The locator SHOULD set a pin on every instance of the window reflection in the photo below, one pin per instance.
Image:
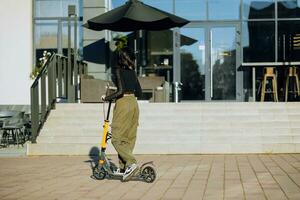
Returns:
(258, 9)
(117, 3)
(289, 9)
(222, 10)
(46, 31)
(191, 9)
(258, 41)
(55, 8)
(193, 63)
(45, 37)
(159, 47)
(223, 63)
(288, 40)
(166, 5)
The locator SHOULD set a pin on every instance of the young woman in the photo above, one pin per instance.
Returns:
(126, 112)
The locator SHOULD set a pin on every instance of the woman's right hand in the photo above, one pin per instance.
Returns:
(103, 97)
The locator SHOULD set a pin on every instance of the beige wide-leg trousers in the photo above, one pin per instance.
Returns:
(124, 128)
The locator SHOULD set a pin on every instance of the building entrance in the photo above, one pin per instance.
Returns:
(222, 63)
(209, 66)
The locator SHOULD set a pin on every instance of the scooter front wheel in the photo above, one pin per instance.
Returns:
(149, 174)
(99, 173)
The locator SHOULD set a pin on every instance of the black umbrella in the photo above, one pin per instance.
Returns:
(163, 39)
(135, 15)
(92, 51)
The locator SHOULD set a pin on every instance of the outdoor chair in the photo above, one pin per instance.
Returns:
(92, 89)
(13, 130)
(4, 115)
(27, 127)
(156, 86)
(1, 132)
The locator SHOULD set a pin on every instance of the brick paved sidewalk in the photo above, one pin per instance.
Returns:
(187, 177)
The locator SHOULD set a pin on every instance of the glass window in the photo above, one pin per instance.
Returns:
(192, 53)
(159, 47)
(45, 37)
(55, 8)
(258, 9)
(223, 63)
(288, 41)
(117, 3)
(166, 5)
(46, 33)
(191, 9)
(223, 10)
(289, 8)
(258, 41)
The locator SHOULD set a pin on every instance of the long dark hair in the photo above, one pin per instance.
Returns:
(126, 58)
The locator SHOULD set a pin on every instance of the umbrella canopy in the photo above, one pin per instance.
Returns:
(164, 39)
(96, 52)
(135, 15)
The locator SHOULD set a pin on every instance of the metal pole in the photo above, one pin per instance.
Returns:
(70, 90)
(50, 86)
(59, 37)
(253, 84)
(69, 61)
(75, 59)
(54, 84)
(65, 69)
(43, 97)
(34, 112)
(59, 68)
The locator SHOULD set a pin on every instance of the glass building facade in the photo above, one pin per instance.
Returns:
(206, 54)
(51, 26)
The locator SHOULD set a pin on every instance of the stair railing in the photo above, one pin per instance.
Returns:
(57, 81)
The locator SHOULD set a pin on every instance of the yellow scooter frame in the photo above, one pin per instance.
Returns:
(105, 168)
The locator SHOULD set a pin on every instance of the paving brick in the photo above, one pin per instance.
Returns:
(288, 186)
(195, 190)
(195, 177)
(233, 189)
(283, 164)
(158, 190)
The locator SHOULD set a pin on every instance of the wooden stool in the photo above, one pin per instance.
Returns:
(293, 73)
(269, 74)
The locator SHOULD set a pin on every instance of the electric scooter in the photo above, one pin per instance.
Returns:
(105, 168)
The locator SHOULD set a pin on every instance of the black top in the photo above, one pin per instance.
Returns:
(126, 82)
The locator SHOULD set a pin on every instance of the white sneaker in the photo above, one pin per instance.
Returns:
(120, 171)
(130, 171)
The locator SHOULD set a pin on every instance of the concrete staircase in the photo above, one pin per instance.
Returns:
(184, 128)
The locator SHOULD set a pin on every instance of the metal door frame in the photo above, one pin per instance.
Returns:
(207, 26)
(239, 75)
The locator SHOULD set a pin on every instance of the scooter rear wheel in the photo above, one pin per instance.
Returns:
(148, 174)
(99, 174)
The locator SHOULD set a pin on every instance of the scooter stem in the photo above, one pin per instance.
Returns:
(105, 129)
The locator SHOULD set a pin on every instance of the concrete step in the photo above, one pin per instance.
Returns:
(230, 127)
(164, 148)
(180, 139)
(238, 116)
(152, 130)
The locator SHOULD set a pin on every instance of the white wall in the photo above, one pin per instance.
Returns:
(15, 51)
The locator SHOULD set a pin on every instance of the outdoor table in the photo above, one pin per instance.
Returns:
(7, 113)
(4, 116)
(254, 65)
